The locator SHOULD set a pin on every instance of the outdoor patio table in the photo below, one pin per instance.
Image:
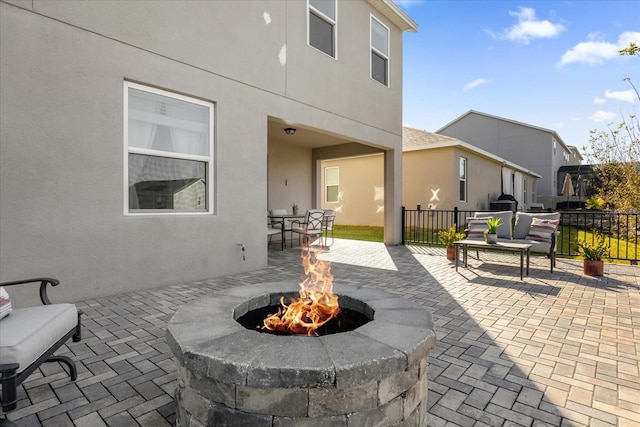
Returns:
(500, 246)
(284, 217)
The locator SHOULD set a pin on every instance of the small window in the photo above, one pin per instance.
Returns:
(322, 25)
(331, 184)
(463, 179)
(169, 152)
(379, 52)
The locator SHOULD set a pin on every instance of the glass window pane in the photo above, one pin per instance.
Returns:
(463, 168)
(328, 7)
(332, 176)
(159, 183)
(332, 193)
(320, 34)
(463, 193)
(158, 122)
(379, 37)
(378, 68)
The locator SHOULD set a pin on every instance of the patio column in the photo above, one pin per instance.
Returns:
(392, 196)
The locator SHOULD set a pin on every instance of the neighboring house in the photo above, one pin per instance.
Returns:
(141, 143)
(575, 158)
(537, 149)
(438, 172)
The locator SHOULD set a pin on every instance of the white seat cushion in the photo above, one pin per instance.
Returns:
(537, 245)
(28, 332)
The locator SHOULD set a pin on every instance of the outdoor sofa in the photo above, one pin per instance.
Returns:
(539, 229)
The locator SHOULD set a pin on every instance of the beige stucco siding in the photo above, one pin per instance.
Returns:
(428, 177)
(361, 190)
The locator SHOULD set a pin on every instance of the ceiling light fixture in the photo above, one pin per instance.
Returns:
(289, 131)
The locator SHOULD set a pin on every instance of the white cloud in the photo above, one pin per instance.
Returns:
(475, 83)
(602, 116)
(599, 101)
(595, 51)
(621, 95)
(529, 27)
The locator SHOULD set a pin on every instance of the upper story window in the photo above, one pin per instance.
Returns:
(331, 184)
(379, 52)
(169, 152)
(463, 179)
(322, 25)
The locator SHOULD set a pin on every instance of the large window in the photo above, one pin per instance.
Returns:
(169, 152)
(379, 52)
(463, 179)
(331, 184)
(322, 25)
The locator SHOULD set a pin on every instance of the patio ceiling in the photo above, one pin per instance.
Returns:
(304, 136)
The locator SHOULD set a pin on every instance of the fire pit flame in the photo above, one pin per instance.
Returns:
(317, 303)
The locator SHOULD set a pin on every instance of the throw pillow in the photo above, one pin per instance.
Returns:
(477, 227)
(5, 303)
(542, 229)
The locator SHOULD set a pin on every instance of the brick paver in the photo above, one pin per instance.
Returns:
(557, 349)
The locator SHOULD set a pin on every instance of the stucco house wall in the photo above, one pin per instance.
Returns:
(361, 190)
(537, 149)
(63, 66)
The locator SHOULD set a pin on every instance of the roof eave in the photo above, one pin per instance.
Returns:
(396, 15)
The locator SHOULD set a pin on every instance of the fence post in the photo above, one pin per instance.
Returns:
(403, 225)
(455, 217)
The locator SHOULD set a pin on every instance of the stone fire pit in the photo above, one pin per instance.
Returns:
(229, 375)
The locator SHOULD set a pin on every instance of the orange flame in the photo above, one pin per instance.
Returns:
(315, 307)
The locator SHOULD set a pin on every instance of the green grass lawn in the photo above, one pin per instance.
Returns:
(619, 248)
(359, 232)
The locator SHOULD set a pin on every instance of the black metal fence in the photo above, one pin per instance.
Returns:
(621, 230)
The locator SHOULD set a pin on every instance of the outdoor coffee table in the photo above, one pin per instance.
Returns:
(500, 246)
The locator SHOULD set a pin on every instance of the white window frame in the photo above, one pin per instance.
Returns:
(378, 52)
(209, 160)
(327, 19)
(462, 179)
(327, 185)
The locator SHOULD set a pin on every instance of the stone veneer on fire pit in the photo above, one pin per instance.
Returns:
(375, 375)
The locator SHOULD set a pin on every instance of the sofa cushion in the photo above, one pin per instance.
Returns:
(29, 332)
(5, 303)
(476, 228)
(504, 229)
(523, 222)
(542, 229)
(537, 246)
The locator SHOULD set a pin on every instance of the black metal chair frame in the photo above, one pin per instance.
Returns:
(10, 378)
(314, 219)
(327, 225)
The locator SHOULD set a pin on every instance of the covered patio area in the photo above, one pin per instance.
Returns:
(553, 349)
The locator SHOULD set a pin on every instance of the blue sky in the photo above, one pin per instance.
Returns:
(552, 64)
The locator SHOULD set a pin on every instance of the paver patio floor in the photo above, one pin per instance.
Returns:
(558, 349)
